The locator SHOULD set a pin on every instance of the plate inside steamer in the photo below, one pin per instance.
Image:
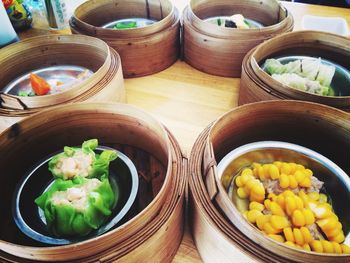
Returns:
(215, 20)
(336, 181)
(30, 218)
(341, 79)
(129, 23)
(60, 78)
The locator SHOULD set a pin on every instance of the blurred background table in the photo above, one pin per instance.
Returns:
(186, 100)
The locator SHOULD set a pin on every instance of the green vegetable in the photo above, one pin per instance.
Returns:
(23, 93)
(125, 25)
(81, 161)
(66, 218)
(218, 21)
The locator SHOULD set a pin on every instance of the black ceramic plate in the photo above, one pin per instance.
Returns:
(30, 219)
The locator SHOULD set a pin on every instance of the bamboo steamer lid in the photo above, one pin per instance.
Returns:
(318, 127)
(219, 50)
(156, 228)
(106, 83)
(257, 85)
(139, 48)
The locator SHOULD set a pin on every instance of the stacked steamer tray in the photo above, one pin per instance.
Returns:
(151, 46)
(220, 50)
(221, 233)
(258, 85)
(154, 227)
(52, 55)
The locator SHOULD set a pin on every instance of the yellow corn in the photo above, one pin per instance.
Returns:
(288, 234)
(309, 216)
(293, 168)
(290, 205)
(290, 243)
(306, 182)
(269, 229)
(280, 201)
(274, 172)
(339, 238)
(299, 176)
(286, 168)
(306, 247)
(275, 208)
(314, 196)
(241, 193)
(261, 173)
(308, 172)
(279, 222)
(327, 224)
(336, 247)
(245, 178)
(300, 167)
(262, 220)
(256, 206)
(278, 164)
(306, 234)
(327, 246)
(252, 215)
(267, 204)
(323, 198)
(247, 172)
(304, 197)
(284, 181)
(238, 181)
(298, 236)
(299, 202)
(316, 246)
(279, 238)
(292, 182)
(345, 249)
(288, 193)
(298, 218)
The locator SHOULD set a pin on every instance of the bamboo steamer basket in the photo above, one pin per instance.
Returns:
(257, 85)
(317, 127)
(139, 48)
(154, 231)
(106, 84)
(219, 50)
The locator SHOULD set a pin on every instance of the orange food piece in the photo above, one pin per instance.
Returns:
(39, 85)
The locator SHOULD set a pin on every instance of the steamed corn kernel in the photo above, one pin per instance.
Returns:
(323, 198)
(306, 182)
(298, 218)
(306, 234)
(290, 243)
(256, 206)
(292, 182)
(261, 221)
(316, 246)
(288, 234)
(306, 247)
(345, 249)
(274, 172)
(275, 209)
(279, 238)
(279, 222)
(286, 168)
(238, 181)
(299, 176)
(336, 247)
(284, 181)
(290, 205)
(327, 246)
(309, 216)
(252, 215)
(269, 229)
(241, 193)
(298, 236)
(314, 196)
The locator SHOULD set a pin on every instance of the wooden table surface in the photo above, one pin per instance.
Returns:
(187, 100)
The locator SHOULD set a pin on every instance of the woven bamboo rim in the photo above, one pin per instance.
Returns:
(91, 15)
(257, 85)
(139, 47)
(291, 121)
(106, 84)
(220, 51)
(161, 220)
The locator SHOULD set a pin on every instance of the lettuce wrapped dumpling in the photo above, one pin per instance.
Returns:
(78, 206)
(82, 161)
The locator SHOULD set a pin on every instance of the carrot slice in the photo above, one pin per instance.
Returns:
(39, 85)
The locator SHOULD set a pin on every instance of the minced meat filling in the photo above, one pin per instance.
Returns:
(76, 196)
(79, 164)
